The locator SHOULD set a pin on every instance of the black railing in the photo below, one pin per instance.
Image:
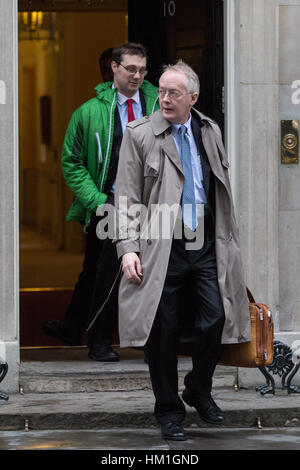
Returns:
(284, 367)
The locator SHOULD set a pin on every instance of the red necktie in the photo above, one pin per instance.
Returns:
(130, 111)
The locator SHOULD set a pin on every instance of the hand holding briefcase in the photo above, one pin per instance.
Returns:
(259, 351)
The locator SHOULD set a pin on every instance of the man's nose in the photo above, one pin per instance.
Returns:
(166, 97)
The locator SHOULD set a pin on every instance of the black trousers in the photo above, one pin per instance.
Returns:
(198, 269)
(101, 333)
(100, 267)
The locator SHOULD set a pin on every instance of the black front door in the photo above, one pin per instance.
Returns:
(190, 30)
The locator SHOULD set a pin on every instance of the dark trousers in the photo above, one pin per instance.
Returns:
(198, 269)
(78, 310)
(100, 268)
(101, 333)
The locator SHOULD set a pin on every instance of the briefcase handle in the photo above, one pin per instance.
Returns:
(250, 296)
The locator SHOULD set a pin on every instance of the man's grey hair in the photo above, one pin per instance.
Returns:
(193, 83)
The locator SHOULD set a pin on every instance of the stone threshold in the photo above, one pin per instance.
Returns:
(243, 408)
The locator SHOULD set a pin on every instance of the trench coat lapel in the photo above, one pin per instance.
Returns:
(161, 126)
(203, 158)
(170, 150)
(216, 160)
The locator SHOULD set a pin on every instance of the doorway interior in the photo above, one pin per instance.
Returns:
(58, 70)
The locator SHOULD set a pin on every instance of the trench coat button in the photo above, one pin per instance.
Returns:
(149, 242)
(230, 237)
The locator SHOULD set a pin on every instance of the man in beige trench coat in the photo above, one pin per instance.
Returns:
(176, 159)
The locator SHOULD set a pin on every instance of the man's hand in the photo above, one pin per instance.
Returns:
(132, 267)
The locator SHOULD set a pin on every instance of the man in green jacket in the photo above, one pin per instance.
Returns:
(89, 163)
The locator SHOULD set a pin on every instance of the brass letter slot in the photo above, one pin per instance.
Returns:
(289, 141)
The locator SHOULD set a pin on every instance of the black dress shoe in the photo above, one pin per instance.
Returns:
(104, 354)
(55, 328)
(208, 410)
(173, 431)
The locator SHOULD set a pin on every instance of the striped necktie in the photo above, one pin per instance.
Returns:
(188, 195)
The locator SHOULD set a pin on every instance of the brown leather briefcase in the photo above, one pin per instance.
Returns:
(259, 351)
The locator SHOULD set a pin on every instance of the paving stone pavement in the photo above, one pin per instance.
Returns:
(150, 440)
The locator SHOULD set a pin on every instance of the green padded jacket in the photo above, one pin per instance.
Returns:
(87, 148)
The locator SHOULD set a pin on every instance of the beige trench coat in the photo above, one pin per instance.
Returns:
(150, 172)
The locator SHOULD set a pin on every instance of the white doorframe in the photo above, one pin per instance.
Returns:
(231, 92)
(9, 207)
(16, 166)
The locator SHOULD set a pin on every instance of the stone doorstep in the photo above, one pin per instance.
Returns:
(103, 410)
(78, 383)
(89, 395)
(54, 377)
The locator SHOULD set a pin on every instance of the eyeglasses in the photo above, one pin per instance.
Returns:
(133, 70)
(172, 94)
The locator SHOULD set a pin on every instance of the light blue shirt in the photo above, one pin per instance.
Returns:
(123, 108)
(200, 196)
(123, 112)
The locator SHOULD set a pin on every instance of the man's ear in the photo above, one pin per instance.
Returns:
(195, 97)
(113, 65)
